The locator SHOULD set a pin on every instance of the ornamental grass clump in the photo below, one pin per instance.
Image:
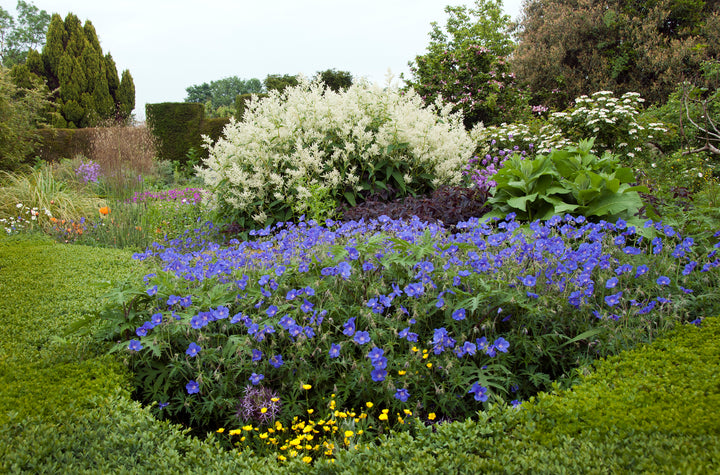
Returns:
(406, 315)
(353, 143)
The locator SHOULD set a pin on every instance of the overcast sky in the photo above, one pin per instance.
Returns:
(169, 45)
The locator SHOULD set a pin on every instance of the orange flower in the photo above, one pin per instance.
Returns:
(53, 220)
(104, 210)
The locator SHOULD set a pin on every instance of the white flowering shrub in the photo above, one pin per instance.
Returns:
(356, 142)
(613, 122)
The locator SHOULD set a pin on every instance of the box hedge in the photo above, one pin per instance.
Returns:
(179, 126)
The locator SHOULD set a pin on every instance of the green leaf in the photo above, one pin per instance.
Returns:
(350, 197)
(520, 202)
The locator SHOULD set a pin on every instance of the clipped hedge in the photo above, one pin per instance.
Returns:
(176, 126)
(179, 126)
(56, 144)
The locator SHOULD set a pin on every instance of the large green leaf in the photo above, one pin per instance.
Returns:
(520, 202)
(616, 203)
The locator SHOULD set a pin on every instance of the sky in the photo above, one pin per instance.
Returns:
(169, 45)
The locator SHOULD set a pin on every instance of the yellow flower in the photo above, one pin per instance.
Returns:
(220, 430)
(263, 410)
(310, 411)
(383, 417)
(264, 435)
(415, 349)
(407, 412)
(402, 372)
(432, 416)
(282, 458)
(247, 427)
(307, 459)
(429, 365)
(306, 387)
(275, 399)
(235, 432)
(369, 404)
(349, 433)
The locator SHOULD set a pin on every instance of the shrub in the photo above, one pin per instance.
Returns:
(615, 123)
(177, 127)
(566, 181)
(20, 113)
(354, 143)
(467, 65)
(569, 49)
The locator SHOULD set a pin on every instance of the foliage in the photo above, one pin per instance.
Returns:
(448, 205)
(276, 82)
(422, 320)
(570, 430)
(570, 180)
(694, 111)
(38, 199)
(20, 114)
(335, 80)
(222, 92)
(16, 39)
(468, 68)
(355, 143)
(177, 127)
(568, 49)
(241, 102)
(85, 83)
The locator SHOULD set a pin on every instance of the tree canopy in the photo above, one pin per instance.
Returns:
(466, 64)
(18, 37)
(222, 92)
(568, 48)
(86, 88)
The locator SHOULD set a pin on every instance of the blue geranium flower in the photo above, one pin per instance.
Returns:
(192, 387)
(349, 327)
(613, 299)
(362, 337)
(334, 350)
(459, 314)
(276, 361)
(662, 280)
(135, 345)
(193, 349)
(256, 378)
(378, 375)
(479, 392)
(402, 394)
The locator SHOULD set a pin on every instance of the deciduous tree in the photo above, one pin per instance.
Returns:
(568, 48)
(466, 65)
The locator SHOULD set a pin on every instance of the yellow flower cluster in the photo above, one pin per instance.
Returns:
(310, 439)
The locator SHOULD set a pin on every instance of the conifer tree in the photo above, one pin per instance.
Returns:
(85, 83)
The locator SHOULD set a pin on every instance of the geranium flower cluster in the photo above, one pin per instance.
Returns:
(400, 313)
